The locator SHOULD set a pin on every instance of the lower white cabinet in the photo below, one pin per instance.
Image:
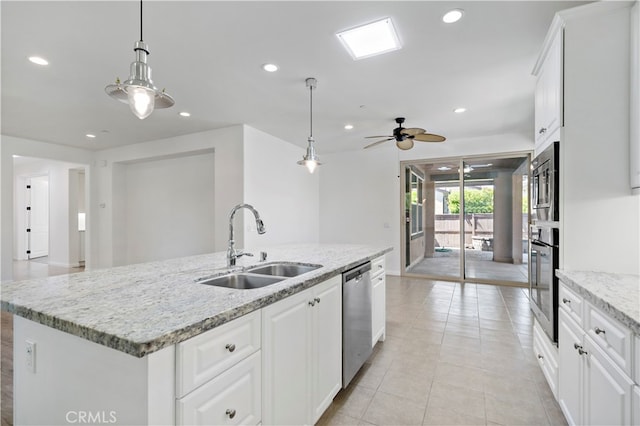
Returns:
(232, 398)
(635, 403)
(302, 354)
(547, 355)
(378, 300)
(593, 389)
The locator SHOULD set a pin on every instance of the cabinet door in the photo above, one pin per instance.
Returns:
(286, 332)
(607, 389)
(548, 94)
(635, 402)
(326, 362)
(569, 369)
(232, 398)
(378, 314)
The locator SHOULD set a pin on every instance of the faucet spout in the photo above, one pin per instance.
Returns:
(232, 253)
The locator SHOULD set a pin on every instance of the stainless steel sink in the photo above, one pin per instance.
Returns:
(283, 269)
(242, 281)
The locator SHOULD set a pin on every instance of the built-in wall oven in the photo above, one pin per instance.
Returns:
(544, 239)
(543, 294)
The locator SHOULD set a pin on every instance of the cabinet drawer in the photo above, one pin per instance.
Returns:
(612, 337)
(203, 357)
(232, 398)
(547, 356)
(377, 266)
(571, 302)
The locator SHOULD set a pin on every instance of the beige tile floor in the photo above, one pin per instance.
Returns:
(455, 354)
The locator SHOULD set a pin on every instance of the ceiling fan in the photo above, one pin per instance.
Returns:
(405, 137)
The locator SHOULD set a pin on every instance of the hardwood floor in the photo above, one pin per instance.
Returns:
(22, 270)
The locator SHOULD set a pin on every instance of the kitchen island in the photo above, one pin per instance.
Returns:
(111, 345)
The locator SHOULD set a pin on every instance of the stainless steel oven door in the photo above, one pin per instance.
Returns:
(542, 289)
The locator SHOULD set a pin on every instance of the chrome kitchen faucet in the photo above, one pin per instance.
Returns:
(232, 253)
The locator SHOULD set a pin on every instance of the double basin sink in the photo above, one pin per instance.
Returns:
(260, 276)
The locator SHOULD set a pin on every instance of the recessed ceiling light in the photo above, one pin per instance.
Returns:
(184, 114)
(348, 126)
(90, 136)
(370, 39)
(452, 16)
(459, 110)
(270, 67)
(38, 60)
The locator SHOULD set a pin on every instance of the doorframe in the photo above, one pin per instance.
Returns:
(460, 159)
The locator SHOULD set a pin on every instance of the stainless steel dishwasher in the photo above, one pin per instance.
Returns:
(356, 320)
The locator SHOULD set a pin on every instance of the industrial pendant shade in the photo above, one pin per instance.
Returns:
(138, 90)
(310, 160)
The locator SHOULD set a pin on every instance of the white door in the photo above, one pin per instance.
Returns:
(38, 217)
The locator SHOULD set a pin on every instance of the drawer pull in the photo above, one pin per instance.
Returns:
(565, 300)
(231, 413)
(580, 350)
(317, 299)
(598, 330)
(312, 302)
(542, 131)
(230, 347)
(540, 356)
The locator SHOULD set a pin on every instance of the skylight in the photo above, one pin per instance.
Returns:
(370, 39)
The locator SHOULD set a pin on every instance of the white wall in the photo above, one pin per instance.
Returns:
(169, 206)
(360, 190)
(284, 193)
(10, 146)
(600, 216)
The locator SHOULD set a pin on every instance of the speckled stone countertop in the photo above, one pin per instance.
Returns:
(142, 308)
(616, 294)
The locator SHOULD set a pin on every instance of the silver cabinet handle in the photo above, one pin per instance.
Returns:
(565, 300)
(542, 130)
(230, 347)
(540, 356)
(598, 330)
(231, 413)
(580, 350)
(380, 279)
(317, 299)
(312, 303)
(576, 345)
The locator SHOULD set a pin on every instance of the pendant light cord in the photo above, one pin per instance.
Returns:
(140, 20)
(311, 111)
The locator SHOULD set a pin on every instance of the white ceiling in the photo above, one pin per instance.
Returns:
(208, 56)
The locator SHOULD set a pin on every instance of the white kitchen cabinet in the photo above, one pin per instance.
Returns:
(548, 92)
(547, 355)
(635, 403)
(593, 389)
(302, 354)
(378, 300)
(218, 375)
(232, 398)
(634, 158)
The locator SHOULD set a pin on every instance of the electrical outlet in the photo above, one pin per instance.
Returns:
(31, 356)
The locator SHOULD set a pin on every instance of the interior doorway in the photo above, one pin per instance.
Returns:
(467, 219)
(37, 220)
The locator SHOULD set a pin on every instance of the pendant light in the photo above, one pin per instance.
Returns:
(310, 160)
(138, 90)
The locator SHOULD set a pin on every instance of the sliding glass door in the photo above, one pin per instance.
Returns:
(467, 219)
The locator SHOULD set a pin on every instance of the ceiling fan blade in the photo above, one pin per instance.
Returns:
(411, 131)
(405, 144)
(376, 143)
(383, 136)
(429, 137)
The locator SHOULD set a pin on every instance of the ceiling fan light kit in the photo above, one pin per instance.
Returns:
(310, 160)
(138, 90)
(405, 137)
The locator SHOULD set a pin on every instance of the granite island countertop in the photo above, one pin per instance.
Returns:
(616, 294)
(142, 308)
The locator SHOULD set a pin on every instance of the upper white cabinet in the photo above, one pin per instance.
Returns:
(302, 354)
(634, 171)
(548, 94)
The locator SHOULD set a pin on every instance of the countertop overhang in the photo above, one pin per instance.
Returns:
(142, 308)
